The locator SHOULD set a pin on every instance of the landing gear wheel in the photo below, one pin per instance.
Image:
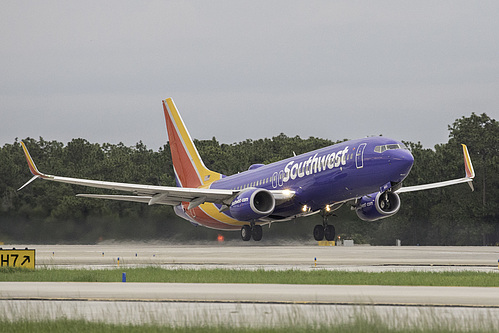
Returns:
(257, 233)
(329, 232)
(318, 232)
(246, 233)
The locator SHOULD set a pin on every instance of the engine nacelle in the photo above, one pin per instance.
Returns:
(252, 204)
(378, 206)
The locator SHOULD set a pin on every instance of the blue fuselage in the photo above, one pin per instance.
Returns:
(337, 173)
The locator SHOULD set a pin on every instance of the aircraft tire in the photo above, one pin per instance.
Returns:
(329, 232)
(318, 232)
(246, 233)
(257, 233)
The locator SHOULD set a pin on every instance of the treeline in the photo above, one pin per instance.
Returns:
(47, 212)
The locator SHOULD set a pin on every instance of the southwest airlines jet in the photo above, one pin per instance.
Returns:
(366, 174)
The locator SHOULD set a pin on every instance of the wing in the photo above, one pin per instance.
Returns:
(149, 194)
(470, 174)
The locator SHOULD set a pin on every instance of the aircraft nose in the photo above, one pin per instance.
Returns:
(402, 161)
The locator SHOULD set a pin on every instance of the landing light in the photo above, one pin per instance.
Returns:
(328, 209)
(304, 208)
(286, 193)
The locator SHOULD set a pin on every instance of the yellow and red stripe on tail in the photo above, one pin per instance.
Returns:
(189, 168)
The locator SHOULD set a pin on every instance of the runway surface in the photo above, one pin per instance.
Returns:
(257, 304)
(251, 256)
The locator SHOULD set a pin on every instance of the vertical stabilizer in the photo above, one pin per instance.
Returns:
(189, 168)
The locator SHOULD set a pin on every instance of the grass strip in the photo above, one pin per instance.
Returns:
(358, 325)
(324, 277)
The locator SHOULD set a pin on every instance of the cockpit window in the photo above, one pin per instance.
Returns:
(380, 149)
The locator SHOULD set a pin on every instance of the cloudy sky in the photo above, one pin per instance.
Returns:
(245, 69)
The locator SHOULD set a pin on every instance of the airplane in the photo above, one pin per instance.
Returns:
(366, 174)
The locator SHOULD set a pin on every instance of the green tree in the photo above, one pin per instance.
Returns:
(481, 134)
(48, 212)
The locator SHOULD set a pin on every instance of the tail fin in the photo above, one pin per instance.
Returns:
(187, 164)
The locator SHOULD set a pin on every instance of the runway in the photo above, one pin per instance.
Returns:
(251, 256)
(257, 305)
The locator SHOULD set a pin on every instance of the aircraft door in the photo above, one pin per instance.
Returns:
(281, 178)
(274, 180)
(359, 156)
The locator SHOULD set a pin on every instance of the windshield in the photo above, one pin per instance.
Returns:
(380, 149)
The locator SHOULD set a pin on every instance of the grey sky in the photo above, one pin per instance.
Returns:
(253, 69)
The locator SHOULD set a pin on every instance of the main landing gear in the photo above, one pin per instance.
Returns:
(251, 231)
(325, 230)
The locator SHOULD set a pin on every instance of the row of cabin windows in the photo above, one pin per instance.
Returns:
(253, 184)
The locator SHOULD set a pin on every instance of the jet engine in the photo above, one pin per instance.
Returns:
(378, 205)
(252, 204)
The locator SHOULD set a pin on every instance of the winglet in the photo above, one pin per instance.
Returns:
(31, 163)
(32, 167)
(468, 166)
(470, 173)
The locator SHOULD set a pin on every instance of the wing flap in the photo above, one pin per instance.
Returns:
(132, 198)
